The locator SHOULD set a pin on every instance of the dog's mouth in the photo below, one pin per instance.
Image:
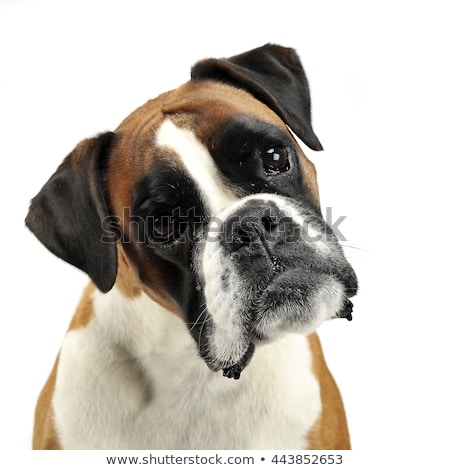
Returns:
(294, 300)
(234, 371)
(299, 300)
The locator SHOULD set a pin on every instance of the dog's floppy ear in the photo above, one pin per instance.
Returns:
(275, 76)
(66, 215)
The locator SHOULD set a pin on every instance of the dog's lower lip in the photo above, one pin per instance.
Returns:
(234, 371)
(346, 311)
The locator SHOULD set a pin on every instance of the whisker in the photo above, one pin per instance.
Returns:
(206, 320)
(198, 320)
(354, 247)
(201, 331)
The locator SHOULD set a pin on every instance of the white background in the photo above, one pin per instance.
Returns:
(379, 77)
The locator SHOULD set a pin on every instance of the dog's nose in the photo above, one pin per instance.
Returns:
(254, 224)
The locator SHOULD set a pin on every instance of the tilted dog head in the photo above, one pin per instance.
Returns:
(211, 201)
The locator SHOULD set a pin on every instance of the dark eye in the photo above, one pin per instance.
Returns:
(275, 160)
(165, 228)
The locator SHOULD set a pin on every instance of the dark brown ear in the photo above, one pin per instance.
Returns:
(275, 76)
(67, 214)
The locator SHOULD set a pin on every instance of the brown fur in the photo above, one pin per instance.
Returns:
(45, 436)
(330, 430)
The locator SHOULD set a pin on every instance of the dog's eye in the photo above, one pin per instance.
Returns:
(275, 160)
(165, 228)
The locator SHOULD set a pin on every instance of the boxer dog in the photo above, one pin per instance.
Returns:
(199, 224)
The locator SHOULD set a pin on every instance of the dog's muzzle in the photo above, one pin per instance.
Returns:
(268, 266)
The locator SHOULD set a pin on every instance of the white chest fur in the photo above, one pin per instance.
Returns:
(132, 378)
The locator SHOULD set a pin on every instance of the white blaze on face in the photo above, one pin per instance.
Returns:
(227, 343)
(198, 163)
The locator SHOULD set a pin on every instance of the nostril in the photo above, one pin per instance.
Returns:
(268, 222)
(254, 226)
(243, 237)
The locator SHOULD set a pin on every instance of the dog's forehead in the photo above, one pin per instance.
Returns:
(175, 127)
(207, 104)
(201, 107)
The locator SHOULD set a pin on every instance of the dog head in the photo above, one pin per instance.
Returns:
(211, 201)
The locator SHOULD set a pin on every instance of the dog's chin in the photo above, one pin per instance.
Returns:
(297, 301)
